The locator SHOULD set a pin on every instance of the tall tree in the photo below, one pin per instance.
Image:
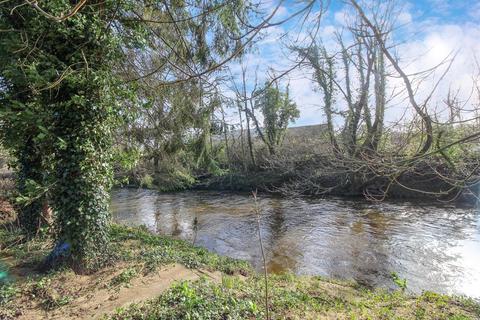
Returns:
(324, 73)
(278, 111)
(61, 79)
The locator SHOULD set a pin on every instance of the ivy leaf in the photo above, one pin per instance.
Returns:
(62, 143)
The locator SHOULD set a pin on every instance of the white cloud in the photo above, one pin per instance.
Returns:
(341, 17)
(423, 44)
(404, 17)
(431, 49)
(282, 12)
(269, 7)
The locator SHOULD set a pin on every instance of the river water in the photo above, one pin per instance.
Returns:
(435, 247)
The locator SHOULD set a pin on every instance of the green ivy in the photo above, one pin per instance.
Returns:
(59, 86)
(63, 95)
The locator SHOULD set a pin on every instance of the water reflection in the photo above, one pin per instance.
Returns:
(434, 247)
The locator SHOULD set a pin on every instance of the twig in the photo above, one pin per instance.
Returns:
(61, 18)
(257, 213)
(195, 229)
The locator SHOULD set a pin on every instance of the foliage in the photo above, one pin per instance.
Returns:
(66, 96)
(278, 111)
(174, 178)
(146, 181)
(126, 159)
(64, 90)
(7, 292)
(50, 299)
(399, 282)
(124, 277)
(156, 250)
(292, 298)
(174, 131)
(324, 71)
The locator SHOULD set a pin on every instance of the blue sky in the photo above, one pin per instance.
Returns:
(428, 32)
(453, 11)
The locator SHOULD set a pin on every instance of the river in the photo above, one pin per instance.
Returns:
(434, 246)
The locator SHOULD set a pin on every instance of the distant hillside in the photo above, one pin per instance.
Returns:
(306, 131)
(292, 132)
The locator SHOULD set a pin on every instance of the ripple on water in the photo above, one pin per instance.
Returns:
(436, 247)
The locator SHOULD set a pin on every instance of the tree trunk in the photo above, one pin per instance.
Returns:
(81, 196)
(30, 169)
(156, 162)
(376, 130)
(225, 135)
(421, 110)
(242, 143)
(249, 139)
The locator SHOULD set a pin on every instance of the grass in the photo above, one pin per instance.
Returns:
(152, 251)
(137, 253)
(239, 294)
(294, 297)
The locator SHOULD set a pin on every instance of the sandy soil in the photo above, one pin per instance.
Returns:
(92, 301)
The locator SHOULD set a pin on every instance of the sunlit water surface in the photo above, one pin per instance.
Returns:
(435, 247)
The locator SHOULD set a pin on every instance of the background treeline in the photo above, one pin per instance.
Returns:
(230, 132)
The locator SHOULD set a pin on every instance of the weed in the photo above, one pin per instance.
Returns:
(467, 303)
(198, 300)
(7, 292)
(160, 250)
(124, 277)
(265, 271)
(301, 298)
(49, 297)
(401, 283)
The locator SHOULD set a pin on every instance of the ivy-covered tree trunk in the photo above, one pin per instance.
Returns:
(30, 170)
(59, 75)
(59, 82)
(83, 179)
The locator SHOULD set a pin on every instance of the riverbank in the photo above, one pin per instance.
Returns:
(419, 185)
(171, 279)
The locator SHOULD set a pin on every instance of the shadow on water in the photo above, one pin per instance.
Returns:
(435, 247)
